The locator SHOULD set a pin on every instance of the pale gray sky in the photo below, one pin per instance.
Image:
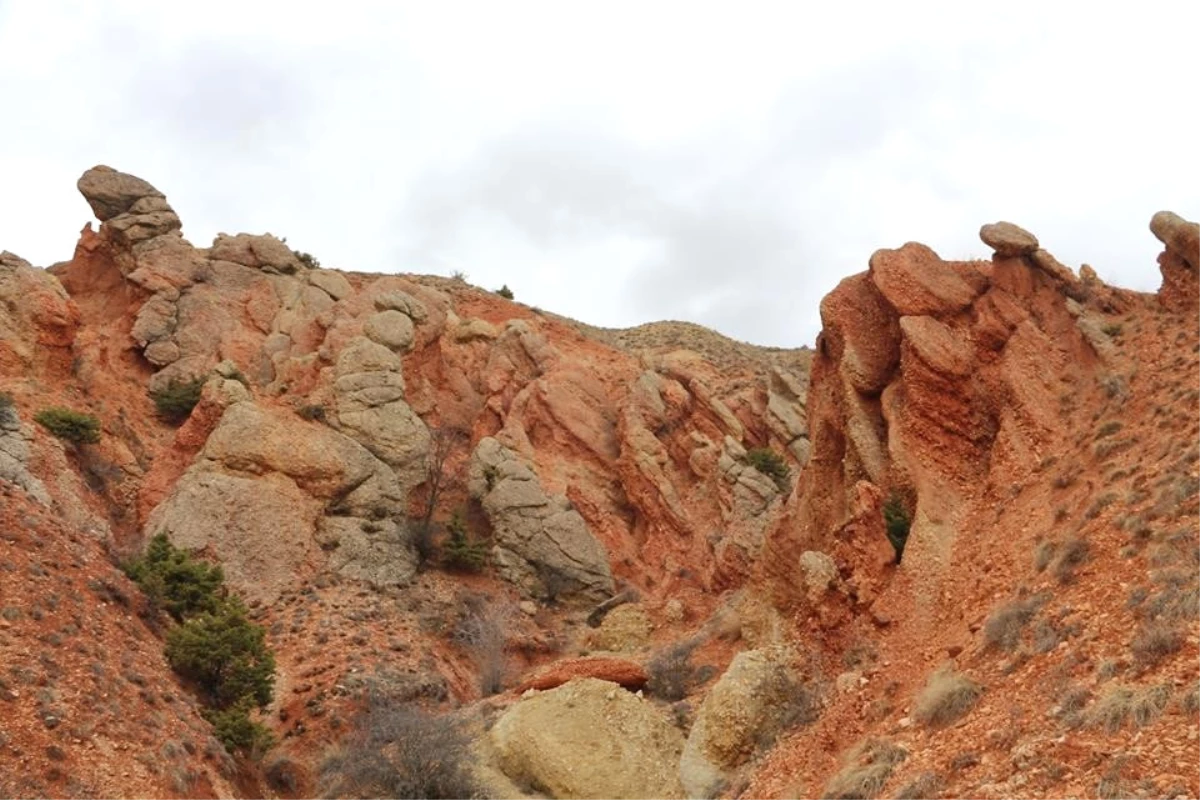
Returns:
(617, 162)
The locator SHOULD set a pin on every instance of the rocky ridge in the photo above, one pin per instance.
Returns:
(614, 465)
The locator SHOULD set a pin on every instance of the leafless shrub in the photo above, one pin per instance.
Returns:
(1112, 785)
(1154, 641)
(1073, 699)
(483, 632)
(868, 766)
(397, 750)
(1108, 429)
(1108, 448)
(946, 697)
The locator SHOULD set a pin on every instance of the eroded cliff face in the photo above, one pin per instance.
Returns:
(935, 382)
(596, 465)
(588, 460)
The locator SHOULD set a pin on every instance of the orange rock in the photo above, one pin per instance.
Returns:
(626, 673)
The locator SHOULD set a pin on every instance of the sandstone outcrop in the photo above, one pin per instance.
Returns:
(269, 495)
(564, 742)
(542, 545)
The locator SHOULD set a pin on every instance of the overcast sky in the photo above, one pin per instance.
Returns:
(615, 162)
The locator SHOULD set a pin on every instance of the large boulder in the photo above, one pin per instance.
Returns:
(589, 738)
(748, 706)
(14, 456)
(260, 528)
(542, 544)
(1180, 236)
(1008, 240)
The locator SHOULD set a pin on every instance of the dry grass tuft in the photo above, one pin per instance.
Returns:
(946, 697)
(1154, 641)
(1124, 704)
(925, 785)
(868, 766)
(1003, 627)
(1071, 554)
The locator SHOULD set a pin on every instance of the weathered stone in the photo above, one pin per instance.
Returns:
(819, 574)
(111, 193)
(918, 283)
(332, 282)
(392, 329)
(542, 544)
(156, 319)
(162, 352)
(259, 252)
(565, 743)
(369, 392)
(628, 674)
(625, 629)
(375, 551)
(1180, 236)
(1008, 240)
(403, 302)
(471, 329)
(260, 528)
(938, 346)
(323, 462)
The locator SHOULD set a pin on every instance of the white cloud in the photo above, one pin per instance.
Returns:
(618, 162)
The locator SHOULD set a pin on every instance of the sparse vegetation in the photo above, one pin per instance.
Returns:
(396, 750)
(769, 463)
(1071, 555)
(1122, 704)
(1004, 625)
(1043, 554)
(175, 582)
(897, 521)
(483, 632)
(1108, 429)
(946, 698)
(7, 407)
(68, 425)
(868, 766)
(307, 259)
(1155, 640)
(176, 400)
(925, 785)
(214, 644)
(443, 443)
(505, 292)
(461, 551)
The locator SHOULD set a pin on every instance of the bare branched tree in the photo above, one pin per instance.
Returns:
(444, 441)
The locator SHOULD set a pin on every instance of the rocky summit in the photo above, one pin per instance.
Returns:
(467, 547)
